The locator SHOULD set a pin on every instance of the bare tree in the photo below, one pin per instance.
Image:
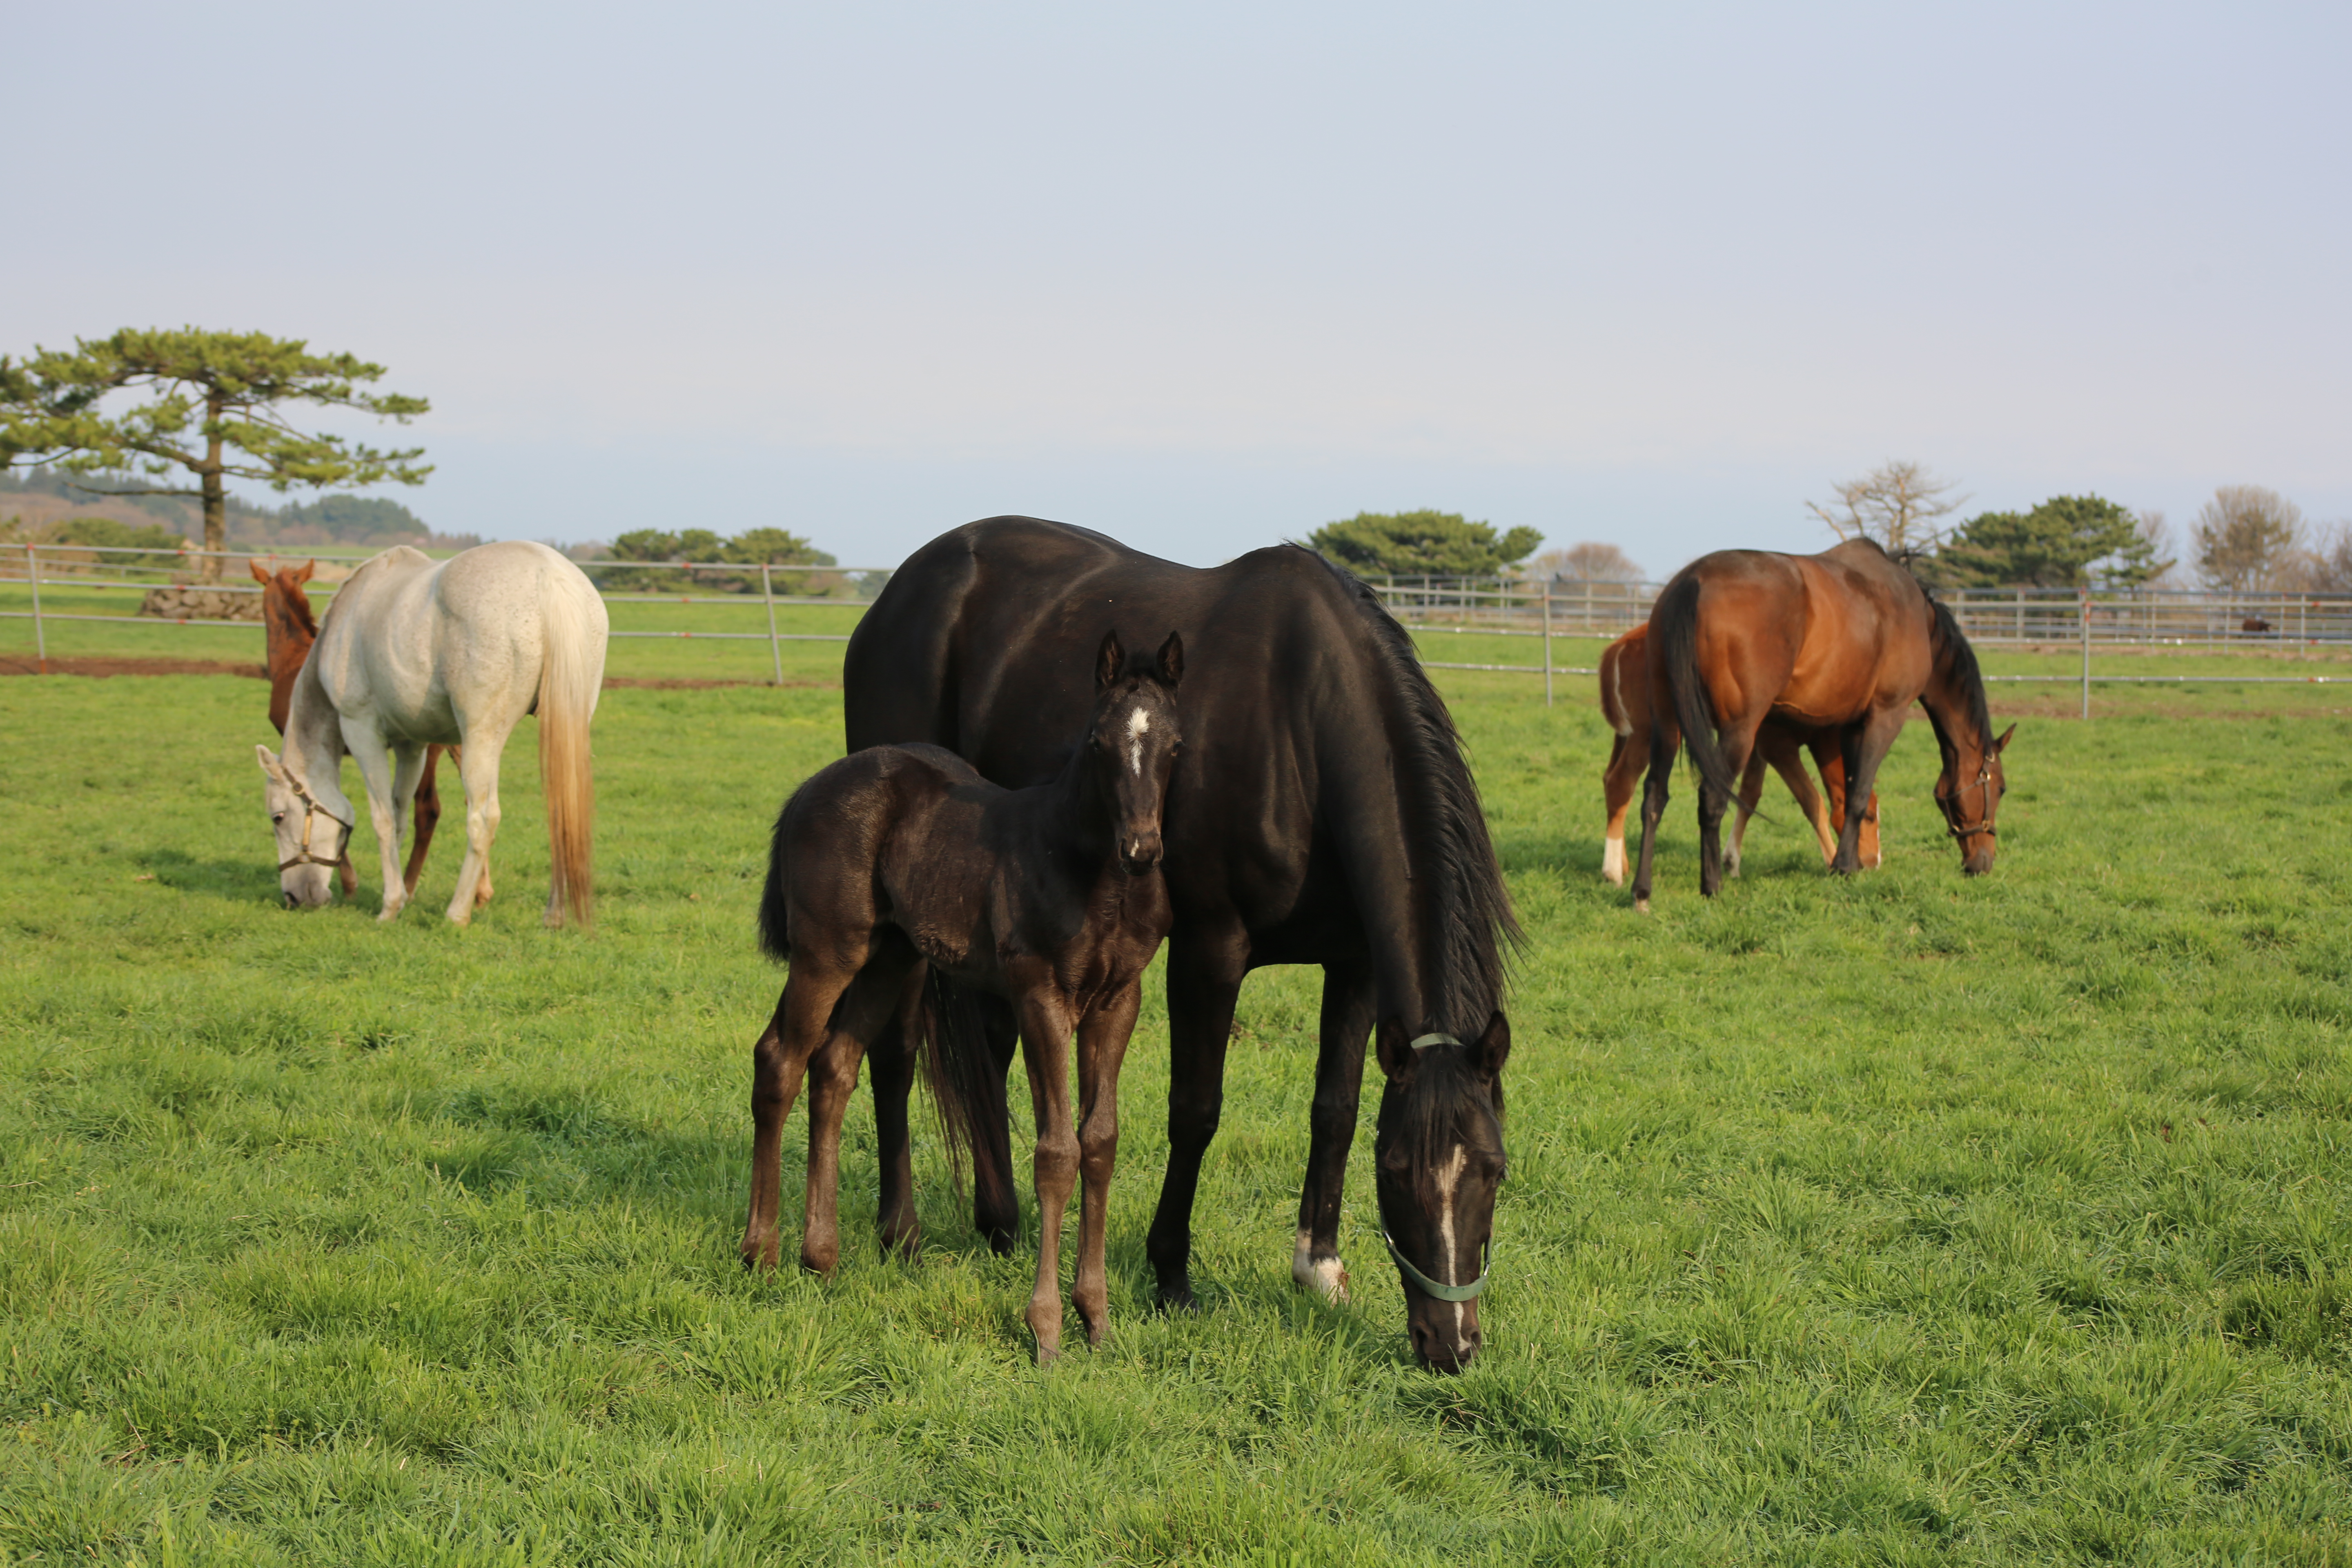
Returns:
(1586, 562)
(2247, 537)
(2328, 568)
(2155, 548)
(1900, 505)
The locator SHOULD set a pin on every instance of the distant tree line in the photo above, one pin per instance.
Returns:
(2246, 538)
(752, 548)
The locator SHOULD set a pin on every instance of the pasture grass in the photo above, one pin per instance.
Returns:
(1902, 1219)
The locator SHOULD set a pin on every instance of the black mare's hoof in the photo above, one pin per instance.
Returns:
(1000, 1241)
(1180, 1299)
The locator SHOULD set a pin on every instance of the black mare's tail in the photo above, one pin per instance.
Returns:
(1674, 638)
(967, 1082)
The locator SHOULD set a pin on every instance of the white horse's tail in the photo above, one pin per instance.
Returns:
(571, 673)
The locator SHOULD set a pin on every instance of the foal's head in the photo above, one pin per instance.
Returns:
(1132, 742)
(1439, 1155)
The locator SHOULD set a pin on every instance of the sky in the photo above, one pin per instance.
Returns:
(1206, 277)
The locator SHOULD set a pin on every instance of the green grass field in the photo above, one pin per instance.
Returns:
(1903, 1219)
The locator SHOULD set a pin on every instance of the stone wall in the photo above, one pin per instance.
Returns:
(184, 603)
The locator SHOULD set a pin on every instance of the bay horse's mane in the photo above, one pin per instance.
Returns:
(1960, 661)
(1469, 908)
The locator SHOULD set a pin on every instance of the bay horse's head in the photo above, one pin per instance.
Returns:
(1968, 793)
(1131, 745)
(311, 835)
(1439, 1160)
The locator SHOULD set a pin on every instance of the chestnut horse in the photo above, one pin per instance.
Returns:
(900, 859)
(1625, 703)
(1844, 641)
(291, 629)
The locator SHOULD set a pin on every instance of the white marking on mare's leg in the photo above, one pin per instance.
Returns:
(1327, 1276)
(1137, 723)
(1613, 859)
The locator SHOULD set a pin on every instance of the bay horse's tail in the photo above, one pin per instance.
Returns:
(1674, 630)
(571, 674)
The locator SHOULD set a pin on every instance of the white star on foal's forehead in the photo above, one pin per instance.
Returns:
(1137, 722)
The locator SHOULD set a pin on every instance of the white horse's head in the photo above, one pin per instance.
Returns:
(310, 837)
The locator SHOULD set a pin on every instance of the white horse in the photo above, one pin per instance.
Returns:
(415, 652)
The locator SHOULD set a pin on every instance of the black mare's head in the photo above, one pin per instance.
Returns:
(1131, 745)
(1969, 789)
(1439, 1159)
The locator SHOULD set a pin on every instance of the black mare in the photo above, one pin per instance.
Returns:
(1320, 813)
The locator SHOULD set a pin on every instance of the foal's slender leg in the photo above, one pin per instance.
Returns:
(779, 1059)
(862, 1013)
(1046, 1048)
(1350, 996)
(427, 817)
(1204, 981)
(995, 1205)
(1628, 754)
(1102, 1047)
(1752, 792)
(1665, 739)
(1788, 762)
(892, 1055)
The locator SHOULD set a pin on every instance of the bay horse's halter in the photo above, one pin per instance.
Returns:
(1477, 1286)
(1952, 823)
(312, 811)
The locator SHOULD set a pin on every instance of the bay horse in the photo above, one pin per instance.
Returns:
(1845, 640)
(1625, 703)
(415, 652)
(900, 859)
(1321, 812)
(290, 629)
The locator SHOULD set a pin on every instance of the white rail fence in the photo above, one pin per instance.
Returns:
(1430, 606)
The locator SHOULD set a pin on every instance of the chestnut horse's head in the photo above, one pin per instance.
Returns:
(1132, 742)
(1438, 1160)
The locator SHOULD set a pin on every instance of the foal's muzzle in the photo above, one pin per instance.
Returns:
(1140, 854)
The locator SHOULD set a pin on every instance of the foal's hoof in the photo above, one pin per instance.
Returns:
(1640, 906)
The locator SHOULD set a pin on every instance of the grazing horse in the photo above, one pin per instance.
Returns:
(415, 652)
(1320, 813)
(1049, 898)
(1844, 641)
(1625, 703)
(291, 629)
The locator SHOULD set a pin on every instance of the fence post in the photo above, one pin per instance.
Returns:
(2086, 654)
(41, 638)
(775, 648)
(1546, 642)
(2303, 626)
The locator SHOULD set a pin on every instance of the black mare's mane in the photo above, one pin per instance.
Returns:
(1469, 910)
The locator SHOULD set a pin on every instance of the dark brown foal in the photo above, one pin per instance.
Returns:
(897, 858)
(291, 629)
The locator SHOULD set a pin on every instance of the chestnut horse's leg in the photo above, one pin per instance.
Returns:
(1751, 793)
(428, 815)
(1833, 766)
(893, 1056)
(1204, 981)
(1665, 739)
(1788, 762)
(1045, 1050)
(1628, 755)
(1350, 996)
(1865, 746)
(1102, 1047)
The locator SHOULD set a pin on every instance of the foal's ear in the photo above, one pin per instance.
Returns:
(1494, 1046)
(1172, 660)
(1107, 660)
(259, 575)
(304, 575)
(1395, 1051)
(271, 766)
(2002, 744)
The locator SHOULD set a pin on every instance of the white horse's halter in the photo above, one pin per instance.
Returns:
(312, 811)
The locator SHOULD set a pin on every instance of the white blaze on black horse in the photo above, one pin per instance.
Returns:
(898, 860)
(1322, 812)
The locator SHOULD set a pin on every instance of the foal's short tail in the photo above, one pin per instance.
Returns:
(571, 673)
(967, 1087)
(1674, 629)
